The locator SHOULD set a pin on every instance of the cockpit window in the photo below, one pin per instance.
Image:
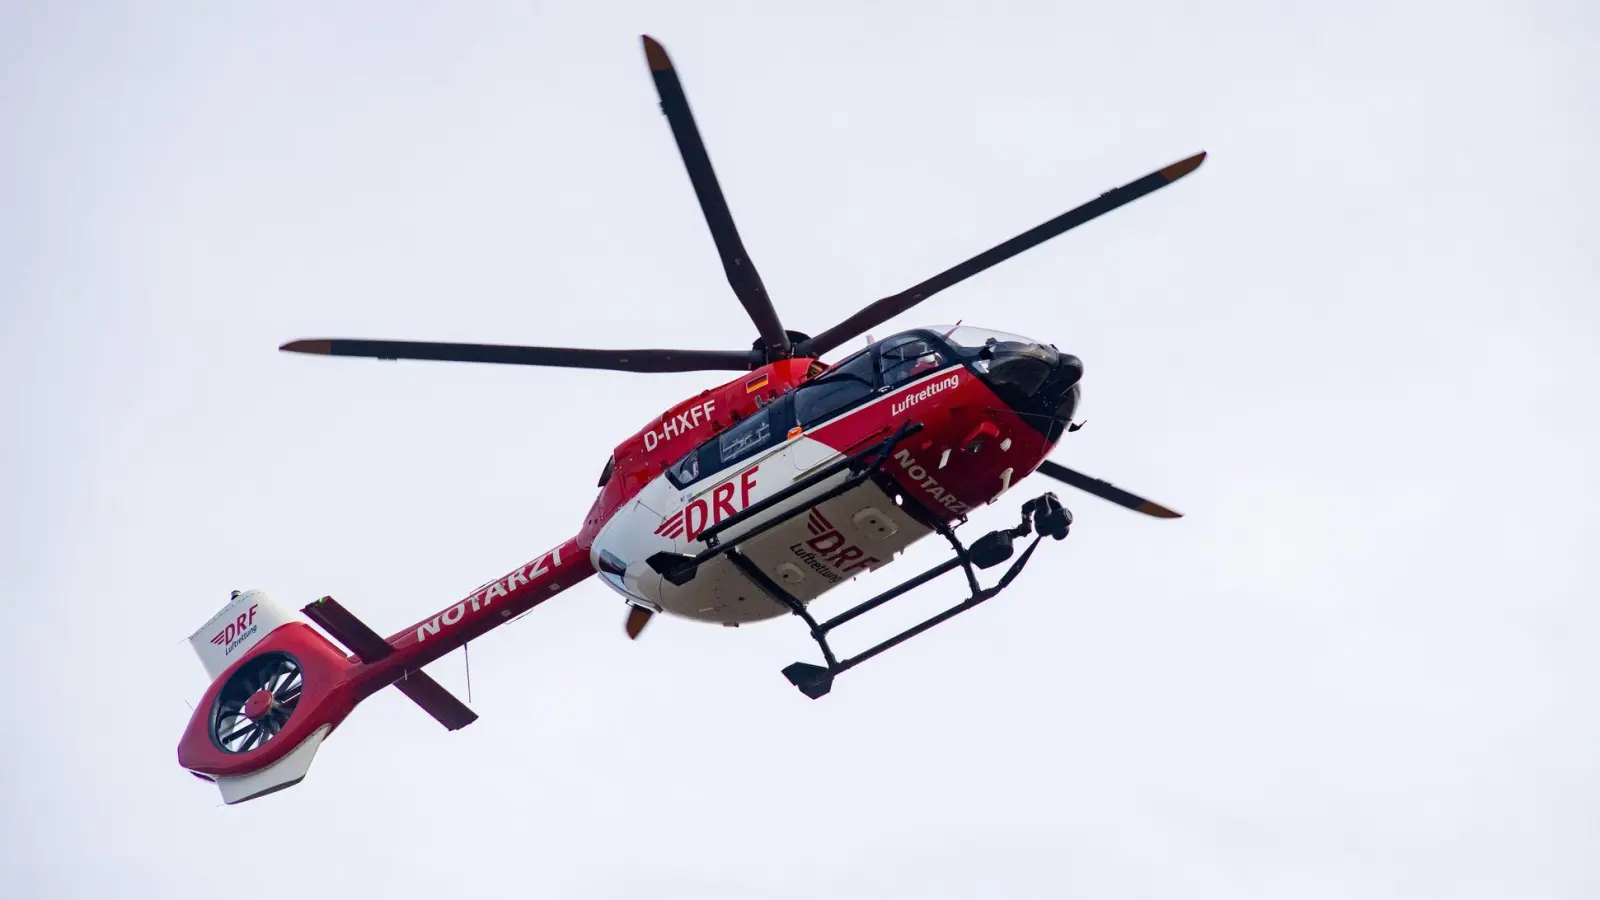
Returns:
(908, 357)
(969, 339)
(605, 475)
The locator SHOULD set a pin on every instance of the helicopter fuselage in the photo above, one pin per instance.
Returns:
(739, 504)
(988, 415)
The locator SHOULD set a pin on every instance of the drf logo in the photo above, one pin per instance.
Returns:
(236, 631)
(709, 509)
(828, 551)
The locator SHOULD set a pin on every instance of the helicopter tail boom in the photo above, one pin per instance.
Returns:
(280, 687)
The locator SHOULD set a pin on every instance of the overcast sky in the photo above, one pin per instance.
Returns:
(1358, 349)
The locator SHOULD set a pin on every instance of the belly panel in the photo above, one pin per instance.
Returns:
(817, 547)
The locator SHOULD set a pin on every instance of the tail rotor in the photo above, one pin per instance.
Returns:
(257, 702)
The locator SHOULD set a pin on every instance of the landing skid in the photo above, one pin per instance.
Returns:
(1043, 514)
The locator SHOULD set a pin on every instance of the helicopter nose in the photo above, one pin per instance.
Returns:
(1061, 393)
(1069, 371)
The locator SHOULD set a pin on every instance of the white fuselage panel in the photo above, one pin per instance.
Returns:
(818, 547)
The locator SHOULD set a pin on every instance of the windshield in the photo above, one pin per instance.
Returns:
(972, 338)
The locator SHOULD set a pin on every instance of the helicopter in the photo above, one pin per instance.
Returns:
(746, 502)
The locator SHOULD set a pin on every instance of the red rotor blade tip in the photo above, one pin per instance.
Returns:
(323, 348)
(1157, 510)
(655, 54)
(1179, 169)
(638, 618)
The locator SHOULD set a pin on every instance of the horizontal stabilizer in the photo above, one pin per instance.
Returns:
(370, 647)
(436, 701)
(366, 644)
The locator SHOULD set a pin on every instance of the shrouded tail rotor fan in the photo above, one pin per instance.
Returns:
(256, 703)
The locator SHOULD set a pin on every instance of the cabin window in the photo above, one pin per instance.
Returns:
(745, 438)
(765, 428)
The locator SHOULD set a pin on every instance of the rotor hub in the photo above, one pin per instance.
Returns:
(796, 338)
(259, 704)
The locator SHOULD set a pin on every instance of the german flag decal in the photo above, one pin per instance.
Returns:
(756, 383)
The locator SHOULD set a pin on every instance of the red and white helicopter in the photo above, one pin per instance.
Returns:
(745, 502)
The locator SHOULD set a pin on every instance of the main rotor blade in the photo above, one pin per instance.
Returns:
(889, 307)
(1105, 490)
(742, 274)
(564, 357)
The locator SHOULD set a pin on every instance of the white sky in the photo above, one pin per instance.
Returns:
(1357, 349)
